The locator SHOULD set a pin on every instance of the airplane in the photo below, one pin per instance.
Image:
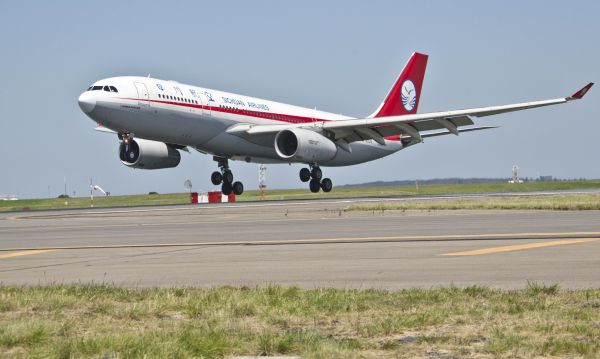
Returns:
(156, 119)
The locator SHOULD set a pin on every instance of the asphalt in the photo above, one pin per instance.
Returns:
(305, 243)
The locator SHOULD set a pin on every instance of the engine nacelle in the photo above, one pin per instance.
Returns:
(306, 146)
(149, 155)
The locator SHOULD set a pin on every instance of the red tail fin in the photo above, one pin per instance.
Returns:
(403, 98)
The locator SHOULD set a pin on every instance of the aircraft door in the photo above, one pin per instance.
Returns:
(207, 102)
(143, 94)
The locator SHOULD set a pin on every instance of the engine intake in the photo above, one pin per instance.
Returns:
(149, 155)
(300, 145)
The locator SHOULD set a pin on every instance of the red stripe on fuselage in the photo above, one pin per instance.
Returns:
(235, 111)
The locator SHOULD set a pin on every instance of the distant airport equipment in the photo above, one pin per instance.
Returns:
(93, 188)
(12, 197)
(515, 175)
(546, 178)
(262, 178)
(188, 185)
(168, 117)
(98, 188)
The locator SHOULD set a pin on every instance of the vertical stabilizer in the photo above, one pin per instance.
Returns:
(403, 98)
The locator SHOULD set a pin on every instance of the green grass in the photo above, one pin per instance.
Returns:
(84, 202)
(441, 189)
(578, 202)
(302, 193)
(67, 321)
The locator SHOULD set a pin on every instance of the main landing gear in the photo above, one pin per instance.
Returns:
(313, 177)
(224, 177)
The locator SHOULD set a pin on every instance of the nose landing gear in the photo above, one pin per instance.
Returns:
(314, 177)
(225, 178)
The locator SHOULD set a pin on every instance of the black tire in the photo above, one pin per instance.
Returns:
(226, 189)
(305, 175)
(326, 185)
(314, 185)
(228, 177)
(238, 188)
(216, 178)
(316, 173)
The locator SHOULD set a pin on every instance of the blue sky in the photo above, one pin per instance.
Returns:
(338, 56)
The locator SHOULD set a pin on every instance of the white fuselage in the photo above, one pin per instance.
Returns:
(179, 114)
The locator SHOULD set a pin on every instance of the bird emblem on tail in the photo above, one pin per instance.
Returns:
(408, 95)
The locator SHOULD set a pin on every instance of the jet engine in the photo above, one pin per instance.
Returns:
(302, 145)
(147, 154)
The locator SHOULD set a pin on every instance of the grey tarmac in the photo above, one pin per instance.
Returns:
(305, 243)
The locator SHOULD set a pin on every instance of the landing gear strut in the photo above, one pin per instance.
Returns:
(224, 177)
(313, 176)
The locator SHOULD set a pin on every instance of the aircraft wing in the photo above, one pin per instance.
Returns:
(347, 131)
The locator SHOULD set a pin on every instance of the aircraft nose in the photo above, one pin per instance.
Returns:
(87, 102)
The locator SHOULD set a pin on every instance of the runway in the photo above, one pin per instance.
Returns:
(305, 243)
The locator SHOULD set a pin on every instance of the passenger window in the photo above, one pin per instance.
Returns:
(113, 89)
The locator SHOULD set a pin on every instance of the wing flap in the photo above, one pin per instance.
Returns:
(443, 133)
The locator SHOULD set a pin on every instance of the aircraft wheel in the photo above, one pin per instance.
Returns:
(238, 188)
(316, 173)
(305, 175)
(228, 177)
(226, 189)
(326, 185)
(314, 185)
(216, 178)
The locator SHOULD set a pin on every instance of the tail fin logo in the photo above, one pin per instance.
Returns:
(408, 95)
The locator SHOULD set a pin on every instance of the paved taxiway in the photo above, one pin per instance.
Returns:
(308, 243)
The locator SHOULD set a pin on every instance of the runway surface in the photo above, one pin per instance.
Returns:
(307, 243)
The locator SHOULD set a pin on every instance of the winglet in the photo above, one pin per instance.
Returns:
(579, 94)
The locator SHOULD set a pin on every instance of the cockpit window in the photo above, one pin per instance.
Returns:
(113, 89)
(89, 88)
(106, 89)
(96, 88)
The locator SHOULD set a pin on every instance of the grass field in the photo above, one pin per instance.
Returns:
(103, 321)
(577, 202)
(303, 193)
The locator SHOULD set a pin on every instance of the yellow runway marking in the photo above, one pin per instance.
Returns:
(25, 253)
(520, 247)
